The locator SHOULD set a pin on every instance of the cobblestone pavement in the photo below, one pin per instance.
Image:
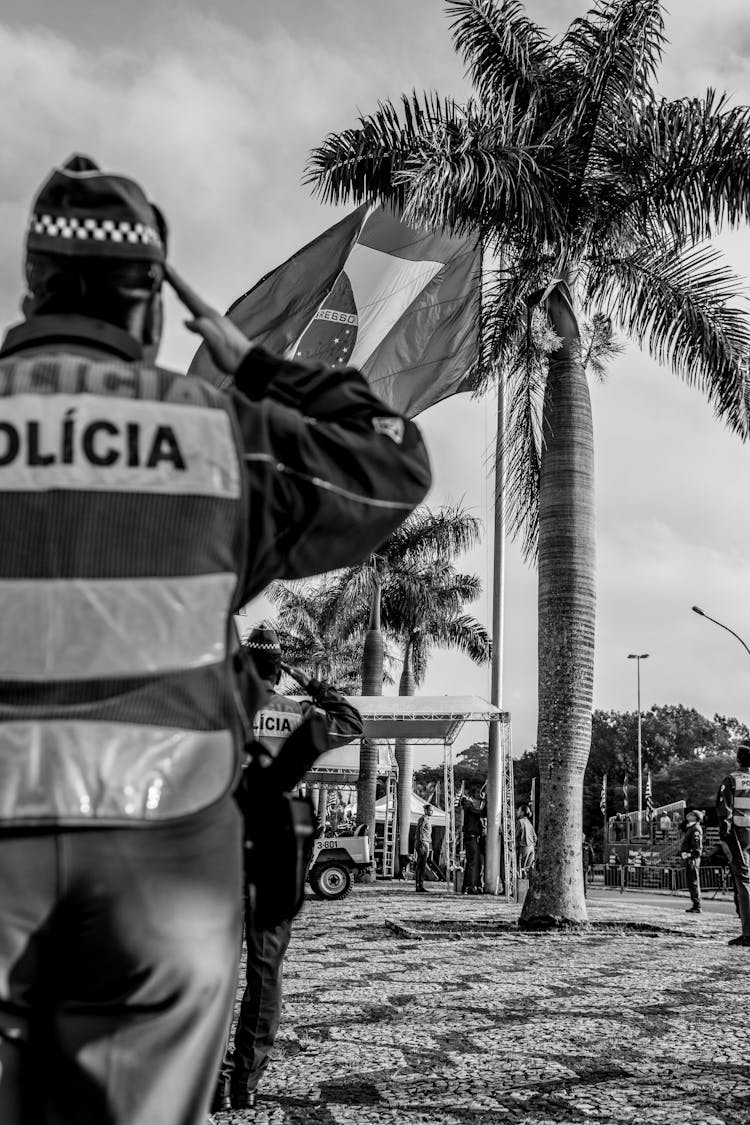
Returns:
(404, 1008)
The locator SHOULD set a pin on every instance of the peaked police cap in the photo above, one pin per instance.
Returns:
(83, 212)
(263, 640)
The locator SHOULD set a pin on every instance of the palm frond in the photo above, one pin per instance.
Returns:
(526, 378)
(599, 345)
(365, 164)
(442, 166)
(615, 51)
(488, 165)
(684, 307)
(684, 166)
(428, 535)
(293, 602)
(503, 318)
(469, 636)
(501, 47)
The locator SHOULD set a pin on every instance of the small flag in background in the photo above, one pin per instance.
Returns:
(625, 795)
(649, 798)
(603, 796)
(399, 304)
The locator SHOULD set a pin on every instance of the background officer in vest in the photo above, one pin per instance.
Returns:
(691, 850)
(140, 509)
(733, 807)
(260, 1010)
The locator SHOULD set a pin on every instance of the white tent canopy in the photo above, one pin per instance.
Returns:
(416, 809)
(424, 720)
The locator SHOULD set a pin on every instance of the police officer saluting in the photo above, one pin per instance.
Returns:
(140, 509)
(733, 807)
(276, 719)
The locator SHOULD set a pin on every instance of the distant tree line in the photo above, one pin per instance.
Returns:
(687, 754)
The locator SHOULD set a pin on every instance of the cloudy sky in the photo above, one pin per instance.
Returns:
(215, 109)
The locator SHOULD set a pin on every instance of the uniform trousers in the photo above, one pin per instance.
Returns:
(693, 873)
(420, 867)
(525, 861)
(260, 1008)
(118, 956)
(738, 842)
(472, 865)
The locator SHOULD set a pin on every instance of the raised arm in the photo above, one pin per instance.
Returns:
(329, 478)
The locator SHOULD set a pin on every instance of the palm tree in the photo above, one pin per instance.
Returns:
(309, 616)
(597, 198)
(424, 608)
(321, 632)
(424, 537)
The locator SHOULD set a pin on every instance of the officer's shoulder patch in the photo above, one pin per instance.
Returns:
(390, 427)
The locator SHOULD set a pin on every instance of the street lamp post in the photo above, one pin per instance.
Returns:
(638, 657)
(702, 613)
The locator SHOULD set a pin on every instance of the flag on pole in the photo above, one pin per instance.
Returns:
(649, 798)
(603, 796)
(625, 796)
(399, 304)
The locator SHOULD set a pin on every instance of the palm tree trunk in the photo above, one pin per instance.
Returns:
(405, 759)
(567, 597)
(372, 684)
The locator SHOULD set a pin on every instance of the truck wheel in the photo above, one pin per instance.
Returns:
(331, 881)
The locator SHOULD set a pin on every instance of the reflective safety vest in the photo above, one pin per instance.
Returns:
(276, 720)
(122, 509)
(741, 802)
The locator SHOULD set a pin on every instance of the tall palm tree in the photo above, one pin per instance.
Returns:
(321, 632)
(424, 607)
(598, 198)
(424, 537)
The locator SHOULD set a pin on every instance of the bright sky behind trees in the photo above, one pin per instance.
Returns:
(215, 108)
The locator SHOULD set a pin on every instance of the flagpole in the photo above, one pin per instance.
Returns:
(495, 835)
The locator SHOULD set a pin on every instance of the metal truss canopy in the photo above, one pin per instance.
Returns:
(422, 719)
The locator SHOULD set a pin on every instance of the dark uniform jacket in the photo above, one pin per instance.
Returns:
(473, 813)
(279, 715)
(692, 842)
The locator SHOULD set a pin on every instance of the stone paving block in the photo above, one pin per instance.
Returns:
(614, 1025)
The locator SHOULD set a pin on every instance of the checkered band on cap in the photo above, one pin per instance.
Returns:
(80, 211)
(94, 230)
(263, 640)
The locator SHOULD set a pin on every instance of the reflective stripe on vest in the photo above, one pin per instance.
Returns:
(741, 804)
(121, 499)
(89, 629)
(275, 722)
(147, 772)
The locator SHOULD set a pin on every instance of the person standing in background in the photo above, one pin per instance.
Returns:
(690, 850)
(473, 811)
(587, 858)
(423, 846)
(525, 842)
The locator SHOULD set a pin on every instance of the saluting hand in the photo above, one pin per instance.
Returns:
(227, 345)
